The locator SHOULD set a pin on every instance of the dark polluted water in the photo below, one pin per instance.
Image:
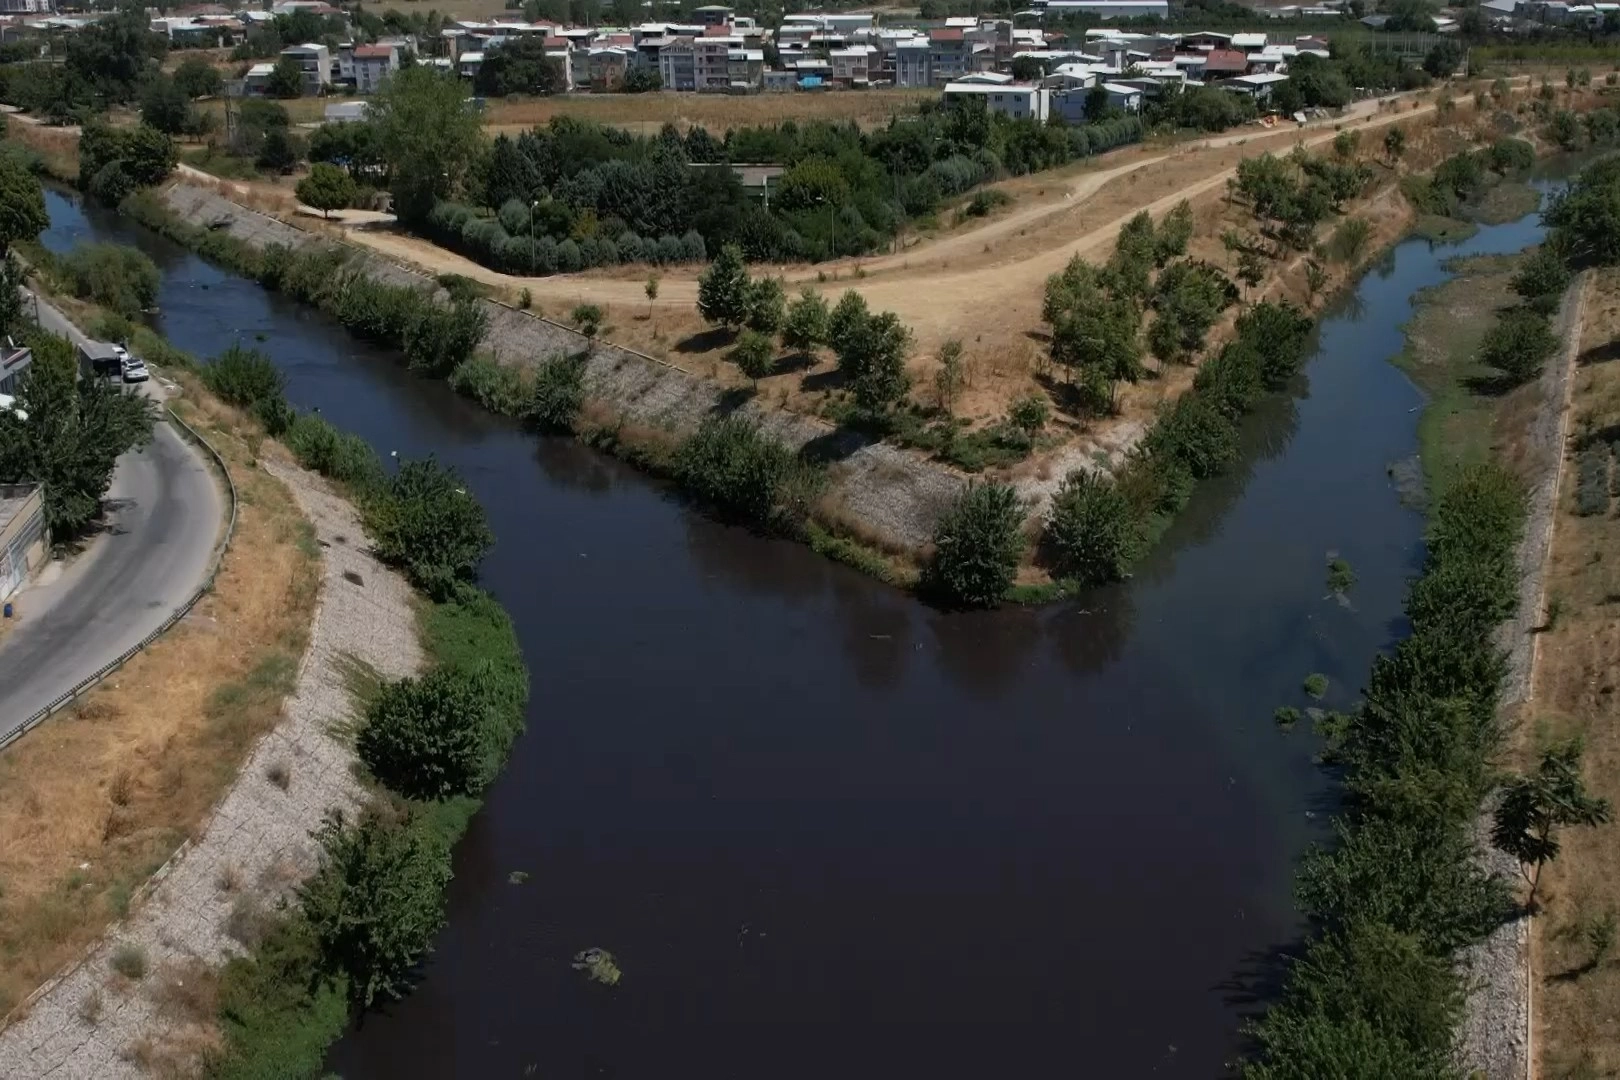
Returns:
(827, 831)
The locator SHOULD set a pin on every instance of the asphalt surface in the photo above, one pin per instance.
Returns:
(165, 510)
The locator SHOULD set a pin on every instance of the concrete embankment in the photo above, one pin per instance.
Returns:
(887, 493)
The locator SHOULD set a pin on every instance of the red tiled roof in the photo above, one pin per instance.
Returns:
(717, 31)
(1226, 60)
(950, 33)
(556, 43)
(373, 52)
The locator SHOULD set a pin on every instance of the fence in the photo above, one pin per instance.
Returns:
(89, 683)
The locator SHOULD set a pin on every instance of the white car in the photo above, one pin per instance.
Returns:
(133, 368)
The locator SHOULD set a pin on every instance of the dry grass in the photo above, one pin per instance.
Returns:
(648, 113)
(58, 148)
(98, 798)
(1577, 679)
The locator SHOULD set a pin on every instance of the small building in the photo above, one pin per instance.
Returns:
(1259, 86)
(1123, 97)
(24, 541)
(713, 15)
(344, 112)
(780, 81)
(257, 80)
(1107, 9)
(1225, 64)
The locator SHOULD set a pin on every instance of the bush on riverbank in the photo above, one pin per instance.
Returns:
(1401, 889)
(977, 547)
(733, 467)
(424, 521)
(250, 380)
(557, 394)
(119, 278)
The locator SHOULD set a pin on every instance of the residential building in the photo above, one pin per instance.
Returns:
(711, 60)
(911, 63)
(1259, 87)
(25, 7)
(1124, 97)
(256, 82)
(373, 64)
(316, 64)
(1021, 101)
(713, 15)
(853, 65)
(949, 54)
(1225, 64)
(14, 360)
(607, 65)
(1249, 43)
(745, 68)
(844, 23)
(677, 64)
(468, 63)
(780, 81)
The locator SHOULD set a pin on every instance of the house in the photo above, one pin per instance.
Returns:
(1259, 86)
(606, 65)
(373, 64)
(1123, 97)
(468, 63)
(24, 541)
(346, 112)
(853, 65)
(745, 68)
(1021, 101)
(1248, 42)
(845, 23)
(1106, 9)
(1225, 64)
(316, 64)
(257, 79)
(776, 82)
(561, 53)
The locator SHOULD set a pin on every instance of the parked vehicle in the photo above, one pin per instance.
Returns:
(133, 368)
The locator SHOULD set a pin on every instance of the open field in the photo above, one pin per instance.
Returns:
(99, 797)
(646, 114)
(1576, 683)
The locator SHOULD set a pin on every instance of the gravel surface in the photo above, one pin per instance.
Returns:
(256, 844)
(1495, 1040)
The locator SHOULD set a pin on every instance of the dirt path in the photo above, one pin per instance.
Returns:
(921, 285)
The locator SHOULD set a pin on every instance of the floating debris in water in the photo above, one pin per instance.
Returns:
(598, 966)
(517, 877)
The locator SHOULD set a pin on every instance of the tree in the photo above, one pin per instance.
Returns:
(430, 738)
(1345, 144)
(326, 188)
(1251, 268)
(1092, 531)
(651, 289)
(375, 902)
(949, 378)
(1395, 143)
(1533, 807)
(197, 78)
(250, 380)
(520, 66)
(1170, 240)
(1099, 340)
(1565, 129)
(1029, 415)
(1542, 279)
(588, 317)
(429, 524)
(724, 289)
(1027, 68)
(143, 154)
(846, 316)
(429, 134)
(121, 278)
(165, 106)
(873, 356)
(752, 355)
(729, 464)
(804, 326)
(22, 204)
(280, 152)
(286, 79)
(1442, 60)
(641, 80)
(1315, 277)
(766, 304)
(977, 546)
(76, 431)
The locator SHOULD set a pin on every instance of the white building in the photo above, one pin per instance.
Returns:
(316, 64)
(373, 64)
(1106, 9)
(1019, 101)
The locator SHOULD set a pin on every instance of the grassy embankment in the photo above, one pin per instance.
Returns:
(103, 794)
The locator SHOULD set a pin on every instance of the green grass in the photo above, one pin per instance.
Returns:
(854, 554)
(215, 163)
(1448, 324)
(1438, 229)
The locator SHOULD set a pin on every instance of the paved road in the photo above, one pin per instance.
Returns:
(165, 513)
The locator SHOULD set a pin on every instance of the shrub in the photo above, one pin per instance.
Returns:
(440, 337)
(1592, 481)
(432, 738)
(977, 546)
(753, 355)
(1510, 155)
(337, 455)
(375, 903)
(1092, 531)
(736, 469)
(557, 394)
(588, 317)
(428, 524)
(250, 380)
(1519, 344)
(116, 277)
(492, 384)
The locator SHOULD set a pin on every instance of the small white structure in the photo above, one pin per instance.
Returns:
(1106, 9)
(1123, 97)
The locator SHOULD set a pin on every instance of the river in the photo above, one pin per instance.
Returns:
(828, 831)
